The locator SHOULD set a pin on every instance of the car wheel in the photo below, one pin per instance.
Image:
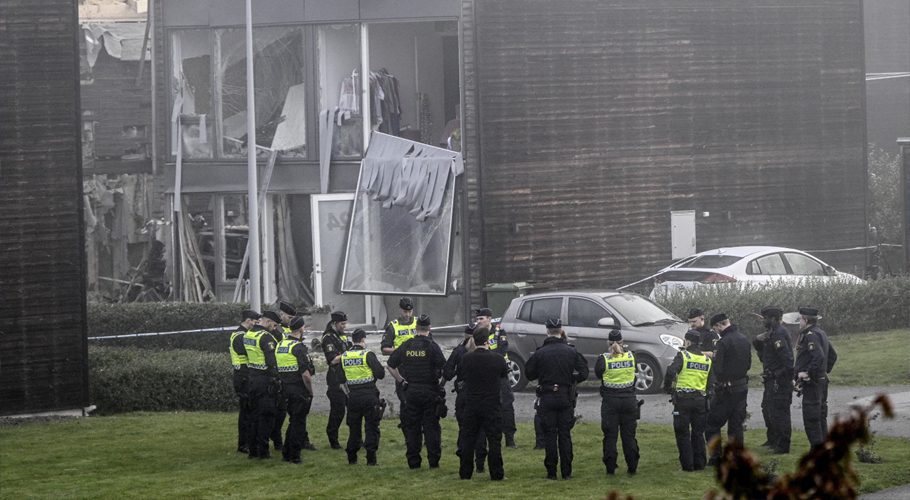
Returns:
(648, 378)
(517, 378)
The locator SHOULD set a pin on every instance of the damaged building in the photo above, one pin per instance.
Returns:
(432, 147)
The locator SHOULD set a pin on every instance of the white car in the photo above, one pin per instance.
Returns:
(749, 265)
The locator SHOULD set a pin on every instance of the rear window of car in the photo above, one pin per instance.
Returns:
(539, 310)
(713, 261)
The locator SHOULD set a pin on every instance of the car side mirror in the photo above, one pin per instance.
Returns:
(607, 323)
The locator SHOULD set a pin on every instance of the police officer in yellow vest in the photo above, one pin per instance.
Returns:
(397, 332)
(687, 380)
(620, 409)
(286, 313)
(361, 370)
(263, 387)
(499, 343)
(296, 371)
(241, 378)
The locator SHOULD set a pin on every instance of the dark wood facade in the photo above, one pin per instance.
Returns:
(43, 356)
(587, 122)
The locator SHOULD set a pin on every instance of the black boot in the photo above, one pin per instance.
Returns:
(510, 441)
(352, 457)
(371, 458)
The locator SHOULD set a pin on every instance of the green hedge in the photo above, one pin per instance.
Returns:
(142, 317)
(125, 379)
(876, 305)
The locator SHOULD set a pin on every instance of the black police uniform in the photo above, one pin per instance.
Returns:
(557, 367)
(619, 415)
(333, 344)
(480, 372)
(420, 362)
(775, 351)
(690, 413)
(708, 338)
(263, 388)
(815, 356)
(450, 371)
(363, 411)
(732, 360)
(297, 399)
(388, 342)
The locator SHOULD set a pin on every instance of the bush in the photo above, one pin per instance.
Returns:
(142, 317)
(876, 305)
(125, 379)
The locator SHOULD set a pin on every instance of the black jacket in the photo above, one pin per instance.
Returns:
(482, 370)
(708, 340)
(775, 352)
(814, 353)
(333, 345)
(419, 361)
(557, 363)
(732, 359)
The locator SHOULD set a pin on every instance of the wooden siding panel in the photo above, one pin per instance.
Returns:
(600, 117)
(42, 286)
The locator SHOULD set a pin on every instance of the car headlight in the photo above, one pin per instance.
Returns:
(672, 341)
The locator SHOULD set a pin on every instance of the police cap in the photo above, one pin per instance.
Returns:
(338, 316)
(694, 336)
(250, 314)
(772, 312)
(358, 335)
(272, 315)
(423, 320)
(554, 323)
(808, 311)
(615, 336)
(296, 323)
(287, 308)
(484, 311)
(406, 303)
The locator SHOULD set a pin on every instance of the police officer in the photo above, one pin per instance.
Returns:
(619, 410)
(286, 312)
(361, 368)
(499, 343)
(776, 355)
(815, 357)
(557, 367)
(732, 360)
(271, 322)
(241, 376)
(417, 365)
(263, 387)
(450, 371)
(687, 382)
(709, 337)
(334, 343)
(296, 371)
(480, 371)
(397, 332)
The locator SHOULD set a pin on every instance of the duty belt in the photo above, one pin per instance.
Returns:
(287, 368)
(257, 366)
(551, 388)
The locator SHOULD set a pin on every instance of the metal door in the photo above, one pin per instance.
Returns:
(682, 233)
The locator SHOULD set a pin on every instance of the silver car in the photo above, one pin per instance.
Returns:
(651, 332)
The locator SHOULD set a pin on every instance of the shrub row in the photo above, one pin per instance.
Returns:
(141, 317)
(125, 379)
(876, 305)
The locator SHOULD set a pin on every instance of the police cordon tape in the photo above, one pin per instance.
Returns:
(232, 328)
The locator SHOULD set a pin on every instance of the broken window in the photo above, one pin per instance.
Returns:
(209, 91)
(340, 107)
(401, 229)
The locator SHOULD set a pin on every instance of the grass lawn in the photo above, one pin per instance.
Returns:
(192, 455)
(863, 359)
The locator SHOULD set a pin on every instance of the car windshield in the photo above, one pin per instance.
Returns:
(640, 311)
(712, 261)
